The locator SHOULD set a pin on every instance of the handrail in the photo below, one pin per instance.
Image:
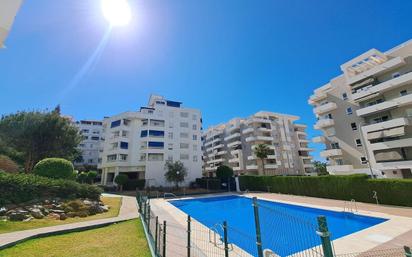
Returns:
(170, 194)
(350, 206)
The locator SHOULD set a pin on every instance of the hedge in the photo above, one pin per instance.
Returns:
(209, 183)
(54, 168)
(18, 188)
(133, 184)
(358, 187)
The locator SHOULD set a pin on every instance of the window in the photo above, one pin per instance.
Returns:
(329, 116)
(335, 145)
(345, 96)
(363, 160)
(156, 145)
(95, 138)
(170, 135)
(171, 125)
(115, 123)
(155, 157)
(404, 92)
(194, 117)
(184, 114)
(124, 145)
(395, 75)
(195, 158)
(85, 137)
(123, 157)
(184, 124)
(170, 146)
(184, 146)
(143, 133)
(194, 126)
(358, 142)
(354, 126)
(194, 147)
(156, 133)
(349, 111)
(339, 162)
(160, 102)
(194, 137)
(184, 135)
(184, 157)
(85, 131)
(111, 157)
(170, 158)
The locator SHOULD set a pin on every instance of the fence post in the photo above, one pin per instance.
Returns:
(408, 252)
(148, 218)
(156, 232)
(324, 234)
(144, 211)
(188, 235)
(225, 238)
(257, 226)
(164, 238)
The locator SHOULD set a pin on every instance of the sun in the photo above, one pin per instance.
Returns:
(116, 12)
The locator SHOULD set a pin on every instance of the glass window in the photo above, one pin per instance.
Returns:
(184, 146)
(184, 157)
(115, 123)
(184, 124)
(124, 145)
(345, 96)
(195, 158)
(123, 157)
(358, 142)
(363, 160)
(194, 137)
(349, 111)
(403, 92)
(156, 144)
(184, 135)
(184, 114)
(354, 126)
(194, 126)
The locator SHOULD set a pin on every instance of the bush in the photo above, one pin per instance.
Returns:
(8, 165)
(91, 176)
(358, 187)
(81, 177)
(133, 184)
(121, 180)
(224, 172)
(18, 188)
(209, 183)
(57, 168)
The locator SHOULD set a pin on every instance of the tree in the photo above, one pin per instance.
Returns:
(37, 135)
(82, 177)
(8, 165)
(224, 172)
(54, 168)
(91, 176)
(175, 172)
(320, 168)
(262, 151)
(121, 180)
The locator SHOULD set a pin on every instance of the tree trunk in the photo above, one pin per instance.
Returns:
(263, 167)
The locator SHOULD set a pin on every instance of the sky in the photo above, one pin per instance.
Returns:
(228, 58)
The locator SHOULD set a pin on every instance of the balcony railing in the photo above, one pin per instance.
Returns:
(387, 105)
(331, 153)
(325, 108)
(324, 123)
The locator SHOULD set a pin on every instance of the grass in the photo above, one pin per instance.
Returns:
(124, 239)
(11, 226)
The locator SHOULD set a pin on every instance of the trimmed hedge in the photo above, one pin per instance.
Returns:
(18, 188)
(133, 184)
(358, 187)
(210, 183)
(54, 168)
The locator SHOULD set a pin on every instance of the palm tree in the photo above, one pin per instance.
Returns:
(262, 151)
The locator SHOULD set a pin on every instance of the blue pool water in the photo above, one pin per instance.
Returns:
(285, 228)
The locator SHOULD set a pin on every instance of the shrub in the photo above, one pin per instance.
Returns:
(121, 180)
(358, 187)
(91, 176)
(224, 172)
(8, 165)
(209, 183)
(54, 168)
(18, 188)
(81, 177)
(133, 184)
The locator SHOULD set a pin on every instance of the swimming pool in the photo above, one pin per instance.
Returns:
(280, 222)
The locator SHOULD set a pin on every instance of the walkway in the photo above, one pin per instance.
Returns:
(128, 211)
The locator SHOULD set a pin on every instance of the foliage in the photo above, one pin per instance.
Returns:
(175, 172)
(121, 180)
(224, 172)
(320, 168)
(358, 187)
(133, 184)
(209, 183)
(91, 176)
(18, 188)
(54, 168)
(262, 151)
(82, 177)
(32, 136)
(8, 165)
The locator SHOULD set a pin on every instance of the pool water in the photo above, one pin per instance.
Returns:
(285, 228)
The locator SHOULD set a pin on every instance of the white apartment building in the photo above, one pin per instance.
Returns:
(233, 144)
(365, 115)
(139, 143)
(8, 12)
(91, 132)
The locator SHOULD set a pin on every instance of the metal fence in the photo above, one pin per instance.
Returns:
(307, 238)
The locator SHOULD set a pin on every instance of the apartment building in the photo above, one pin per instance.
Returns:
(233, 144)
(8, 12)
(92, 136)
(139, 143)
(365, 115)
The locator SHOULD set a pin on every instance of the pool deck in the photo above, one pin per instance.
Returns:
(394, 233)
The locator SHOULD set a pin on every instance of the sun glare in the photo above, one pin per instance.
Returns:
(117, 12)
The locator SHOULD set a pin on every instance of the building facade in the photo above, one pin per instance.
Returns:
(139, 143)
(365, 115)
(90, 146)
(233, 144)
(8, 12)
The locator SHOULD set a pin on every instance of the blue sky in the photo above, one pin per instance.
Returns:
(228, 58)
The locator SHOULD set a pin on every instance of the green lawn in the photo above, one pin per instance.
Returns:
(125, 239)
(10, 226)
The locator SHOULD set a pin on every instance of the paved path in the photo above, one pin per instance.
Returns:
(128, 211)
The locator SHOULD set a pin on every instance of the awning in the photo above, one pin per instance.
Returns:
(388, 155)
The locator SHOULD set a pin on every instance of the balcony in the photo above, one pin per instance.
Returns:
(262, 129)
(211, 168)
(307, 149)
(319, 139)
(248, 130)
(387, 105)
(271, 166)
(308, 165)
(259, 138)
(235, 152)
(236, 135)
(318, 96)
(379, 69)
(325, 108)
(340, 169)
(233, 144)
(251, 167)
(331, 153)
(215, 161)
(383, 87)
(406, 142)
(236, 168)
(257, 120)
(269, 146)
(324, 123)
(234, 160)
(399, 122)
(217, 146)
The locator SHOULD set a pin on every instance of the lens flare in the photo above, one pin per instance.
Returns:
(116, 12)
